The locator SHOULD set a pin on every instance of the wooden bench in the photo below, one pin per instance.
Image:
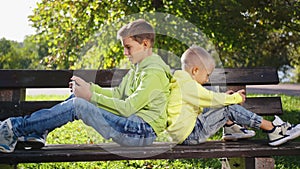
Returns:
(13, 84)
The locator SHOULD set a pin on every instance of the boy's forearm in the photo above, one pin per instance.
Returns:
(207, 98)
(100, 90)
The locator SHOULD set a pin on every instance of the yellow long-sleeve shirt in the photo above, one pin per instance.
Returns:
(187, 100)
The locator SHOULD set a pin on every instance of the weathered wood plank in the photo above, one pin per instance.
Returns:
(111, 151)
(57, 78)
(112, 77)
(245, 76)
(264, 105)
(12, 109)
(256, 105)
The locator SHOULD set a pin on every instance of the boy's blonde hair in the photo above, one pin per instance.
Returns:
(197, 56)
(138, 30)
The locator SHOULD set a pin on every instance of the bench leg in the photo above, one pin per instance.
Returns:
(248, 163)
(267, 163)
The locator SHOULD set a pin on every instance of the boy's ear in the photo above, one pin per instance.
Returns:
(146, 43)
(195, 70)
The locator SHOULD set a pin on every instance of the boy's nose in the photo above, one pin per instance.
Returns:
(126, 52)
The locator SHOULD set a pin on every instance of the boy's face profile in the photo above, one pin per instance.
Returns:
(201, 74)
(135, 51)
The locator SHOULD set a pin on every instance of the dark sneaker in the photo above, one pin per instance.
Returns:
(235, 132)
(283, 132)
(8, 140)
(32, 141)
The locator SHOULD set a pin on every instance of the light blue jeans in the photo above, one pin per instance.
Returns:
(211, 120)
(131, 131)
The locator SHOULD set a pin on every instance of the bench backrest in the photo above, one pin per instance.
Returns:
(13, 84)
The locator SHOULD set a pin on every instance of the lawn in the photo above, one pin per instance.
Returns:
(78, 133)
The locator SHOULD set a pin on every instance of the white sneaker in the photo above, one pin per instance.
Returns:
(8, 140)
(283, 132)
(32, 141)
(235, 132)
(277, 121)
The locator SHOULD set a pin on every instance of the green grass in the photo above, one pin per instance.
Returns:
(78, 133)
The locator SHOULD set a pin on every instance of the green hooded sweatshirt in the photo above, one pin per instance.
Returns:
(144, 91)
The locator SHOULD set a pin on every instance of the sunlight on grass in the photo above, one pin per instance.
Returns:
(45, 97)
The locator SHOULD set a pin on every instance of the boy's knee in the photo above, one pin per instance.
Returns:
(78, 104)
(77, 101)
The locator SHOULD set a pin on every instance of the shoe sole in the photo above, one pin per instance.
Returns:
(29, 145)
(295, 135)
(279, 142)
(286, 139)
(236, 137)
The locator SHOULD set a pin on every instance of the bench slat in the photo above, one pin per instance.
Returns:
(112, 151)
(245, 76)
(264, 105)
(257, 105)
(57, 78)
(112, 77)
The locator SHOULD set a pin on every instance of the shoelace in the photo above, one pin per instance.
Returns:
(285, 127)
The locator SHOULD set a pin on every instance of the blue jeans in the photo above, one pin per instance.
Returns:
(131, 131)
(211, 120)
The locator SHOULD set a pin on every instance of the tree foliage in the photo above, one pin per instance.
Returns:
(14, 55)
(81, 33)
(251, 33)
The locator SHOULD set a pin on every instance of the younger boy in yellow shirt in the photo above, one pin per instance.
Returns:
(195, 113)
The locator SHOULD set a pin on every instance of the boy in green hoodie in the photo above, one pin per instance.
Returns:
(131, 114)
(195, 113)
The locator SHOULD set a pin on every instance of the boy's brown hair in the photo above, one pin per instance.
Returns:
(138, 30)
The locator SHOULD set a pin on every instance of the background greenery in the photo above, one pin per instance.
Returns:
(78, 133)
(73, 34)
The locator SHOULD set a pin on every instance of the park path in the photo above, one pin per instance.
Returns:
(48, 91)
(288, 89)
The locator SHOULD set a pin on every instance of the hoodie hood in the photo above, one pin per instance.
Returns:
(154, 62)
